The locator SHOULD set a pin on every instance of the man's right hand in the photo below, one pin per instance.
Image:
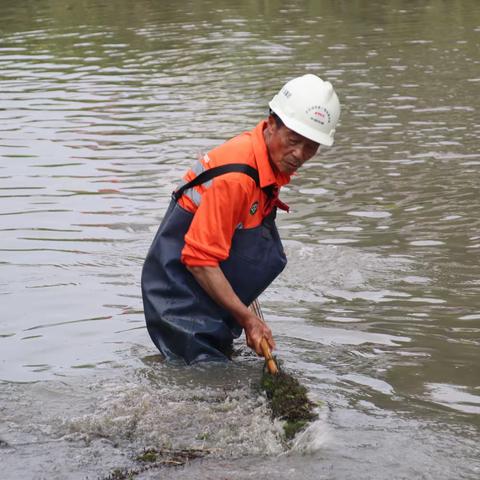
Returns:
(256, 330)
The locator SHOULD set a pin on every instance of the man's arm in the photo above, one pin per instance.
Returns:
(214, 282)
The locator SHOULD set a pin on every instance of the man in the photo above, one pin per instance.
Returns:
(217, 247)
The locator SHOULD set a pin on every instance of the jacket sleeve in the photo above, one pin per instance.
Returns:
(221, 209)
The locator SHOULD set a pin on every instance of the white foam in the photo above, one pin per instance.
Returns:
(224, 422)
(315, 436)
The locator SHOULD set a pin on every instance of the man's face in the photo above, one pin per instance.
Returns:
(287, 150)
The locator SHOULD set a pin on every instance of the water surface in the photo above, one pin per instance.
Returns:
(103, 106)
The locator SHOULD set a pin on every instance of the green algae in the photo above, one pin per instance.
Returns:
(290, 429)
(148, 456)
(288, 401)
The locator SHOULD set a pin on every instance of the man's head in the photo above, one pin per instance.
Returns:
(287, 149)
(303, 115)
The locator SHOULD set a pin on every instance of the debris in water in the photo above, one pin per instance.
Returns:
(288, 401)
(171, 457)
(153, 458)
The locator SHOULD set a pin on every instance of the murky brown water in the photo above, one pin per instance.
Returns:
(103, 105)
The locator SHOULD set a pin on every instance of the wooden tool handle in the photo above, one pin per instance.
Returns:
(271, 365)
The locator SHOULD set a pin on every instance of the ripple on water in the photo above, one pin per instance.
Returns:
(331, 336)
(370, 214)
(455, 397)
(372, 383)
(426, 243)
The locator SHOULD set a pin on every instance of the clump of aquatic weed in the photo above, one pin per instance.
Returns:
(152, 458)
(288, 401)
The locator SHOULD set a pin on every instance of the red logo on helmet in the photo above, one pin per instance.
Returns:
(318, 114)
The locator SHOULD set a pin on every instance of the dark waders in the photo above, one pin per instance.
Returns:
(182, 320)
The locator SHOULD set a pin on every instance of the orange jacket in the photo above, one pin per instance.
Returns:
(229, 201)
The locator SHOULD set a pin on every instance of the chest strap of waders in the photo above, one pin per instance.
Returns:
(211, 173)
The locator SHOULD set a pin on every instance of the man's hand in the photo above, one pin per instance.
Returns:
(256, 330)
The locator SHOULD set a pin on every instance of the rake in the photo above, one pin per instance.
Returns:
(287, 396)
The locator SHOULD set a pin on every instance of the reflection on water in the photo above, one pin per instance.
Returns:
(102, 108)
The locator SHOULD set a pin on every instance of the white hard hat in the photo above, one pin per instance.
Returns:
(308, 106)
